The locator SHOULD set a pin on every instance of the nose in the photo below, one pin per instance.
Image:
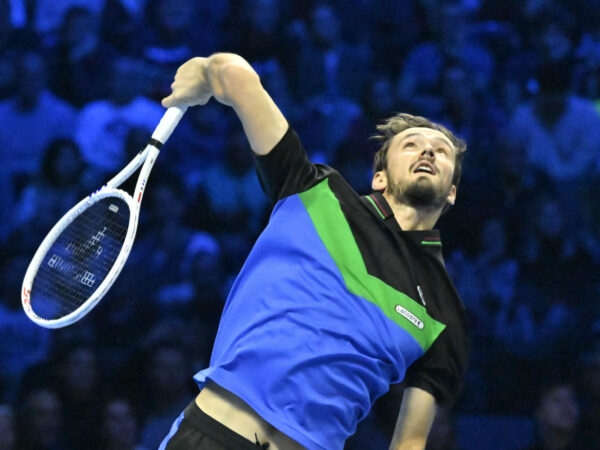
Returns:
(428, 151)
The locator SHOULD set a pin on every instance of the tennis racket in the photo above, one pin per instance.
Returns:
(83, 254)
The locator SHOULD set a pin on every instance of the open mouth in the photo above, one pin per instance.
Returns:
(424, 167)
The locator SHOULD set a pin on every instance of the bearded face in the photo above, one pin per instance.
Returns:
(419, 193)
(420, 167)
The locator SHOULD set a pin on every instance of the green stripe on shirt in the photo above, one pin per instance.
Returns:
(333, 229)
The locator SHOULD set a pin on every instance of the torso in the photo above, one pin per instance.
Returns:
(328, 311)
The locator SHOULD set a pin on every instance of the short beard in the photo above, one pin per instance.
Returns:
(420, 194)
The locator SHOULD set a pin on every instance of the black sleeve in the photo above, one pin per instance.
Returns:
(441, 371)
(286, 169)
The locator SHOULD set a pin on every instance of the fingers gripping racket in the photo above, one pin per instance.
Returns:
(83, 254)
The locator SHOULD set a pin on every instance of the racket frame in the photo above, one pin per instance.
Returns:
(146, 159)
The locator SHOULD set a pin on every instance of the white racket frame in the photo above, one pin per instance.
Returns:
(147, 157)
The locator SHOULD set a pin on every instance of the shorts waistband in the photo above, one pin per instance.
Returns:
(204, 423)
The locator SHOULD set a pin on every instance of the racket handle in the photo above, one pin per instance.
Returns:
(168, 123)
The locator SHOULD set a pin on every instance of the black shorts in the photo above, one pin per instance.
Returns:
(199, 431)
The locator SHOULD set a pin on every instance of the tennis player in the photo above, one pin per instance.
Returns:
(342, 295)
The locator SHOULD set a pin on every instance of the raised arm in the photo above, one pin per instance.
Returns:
(414, 421)
(232, 81)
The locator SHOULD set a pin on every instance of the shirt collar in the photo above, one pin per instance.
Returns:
(379, 205)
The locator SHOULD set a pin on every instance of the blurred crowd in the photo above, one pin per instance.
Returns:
(80, 89)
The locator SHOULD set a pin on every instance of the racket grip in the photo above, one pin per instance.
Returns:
(168, 122)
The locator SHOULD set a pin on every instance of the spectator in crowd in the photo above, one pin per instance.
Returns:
(104, 125)
(166, 391)
(328, 80)
(552, 252)
(11, 35)
(162, 239)
(210, 130)
(327, 64)
(550, 33)
(560, 133)
(22, 343)
(203, 278)
(48, 15)
(13, 38)
(8, 431)
(172, 34)
(233, 194)
(61, 182)
(538, 329)
(556, 414)
(32, 111)
(513, 188)
(119, 426)
(420, 79)
(383, 23)
(378, 99)
(81, 60)
(121, 22)
(487, 276)
(7, 204)
(76, 376)
(40, 420)
(589, 394)
(14, 16)
(273, 76)
(257, 28)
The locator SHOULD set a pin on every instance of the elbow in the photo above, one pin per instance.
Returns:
(236, 79)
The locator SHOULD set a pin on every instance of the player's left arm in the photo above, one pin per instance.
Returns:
(416, 415)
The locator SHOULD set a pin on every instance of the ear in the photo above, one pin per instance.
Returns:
(379, 182)
(451, 198)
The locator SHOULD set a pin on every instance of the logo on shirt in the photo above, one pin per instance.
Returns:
(410, 317)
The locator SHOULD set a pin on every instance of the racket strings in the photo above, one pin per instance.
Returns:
(80, 259)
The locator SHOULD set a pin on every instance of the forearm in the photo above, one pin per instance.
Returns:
(416, 415)
(417, 444)
(232, 81)
(236, 84)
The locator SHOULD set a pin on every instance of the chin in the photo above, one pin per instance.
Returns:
(420, 196)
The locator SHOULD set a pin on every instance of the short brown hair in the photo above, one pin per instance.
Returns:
(402, 121)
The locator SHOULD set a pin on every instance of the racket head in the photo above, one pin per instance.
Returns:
(80, 258)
